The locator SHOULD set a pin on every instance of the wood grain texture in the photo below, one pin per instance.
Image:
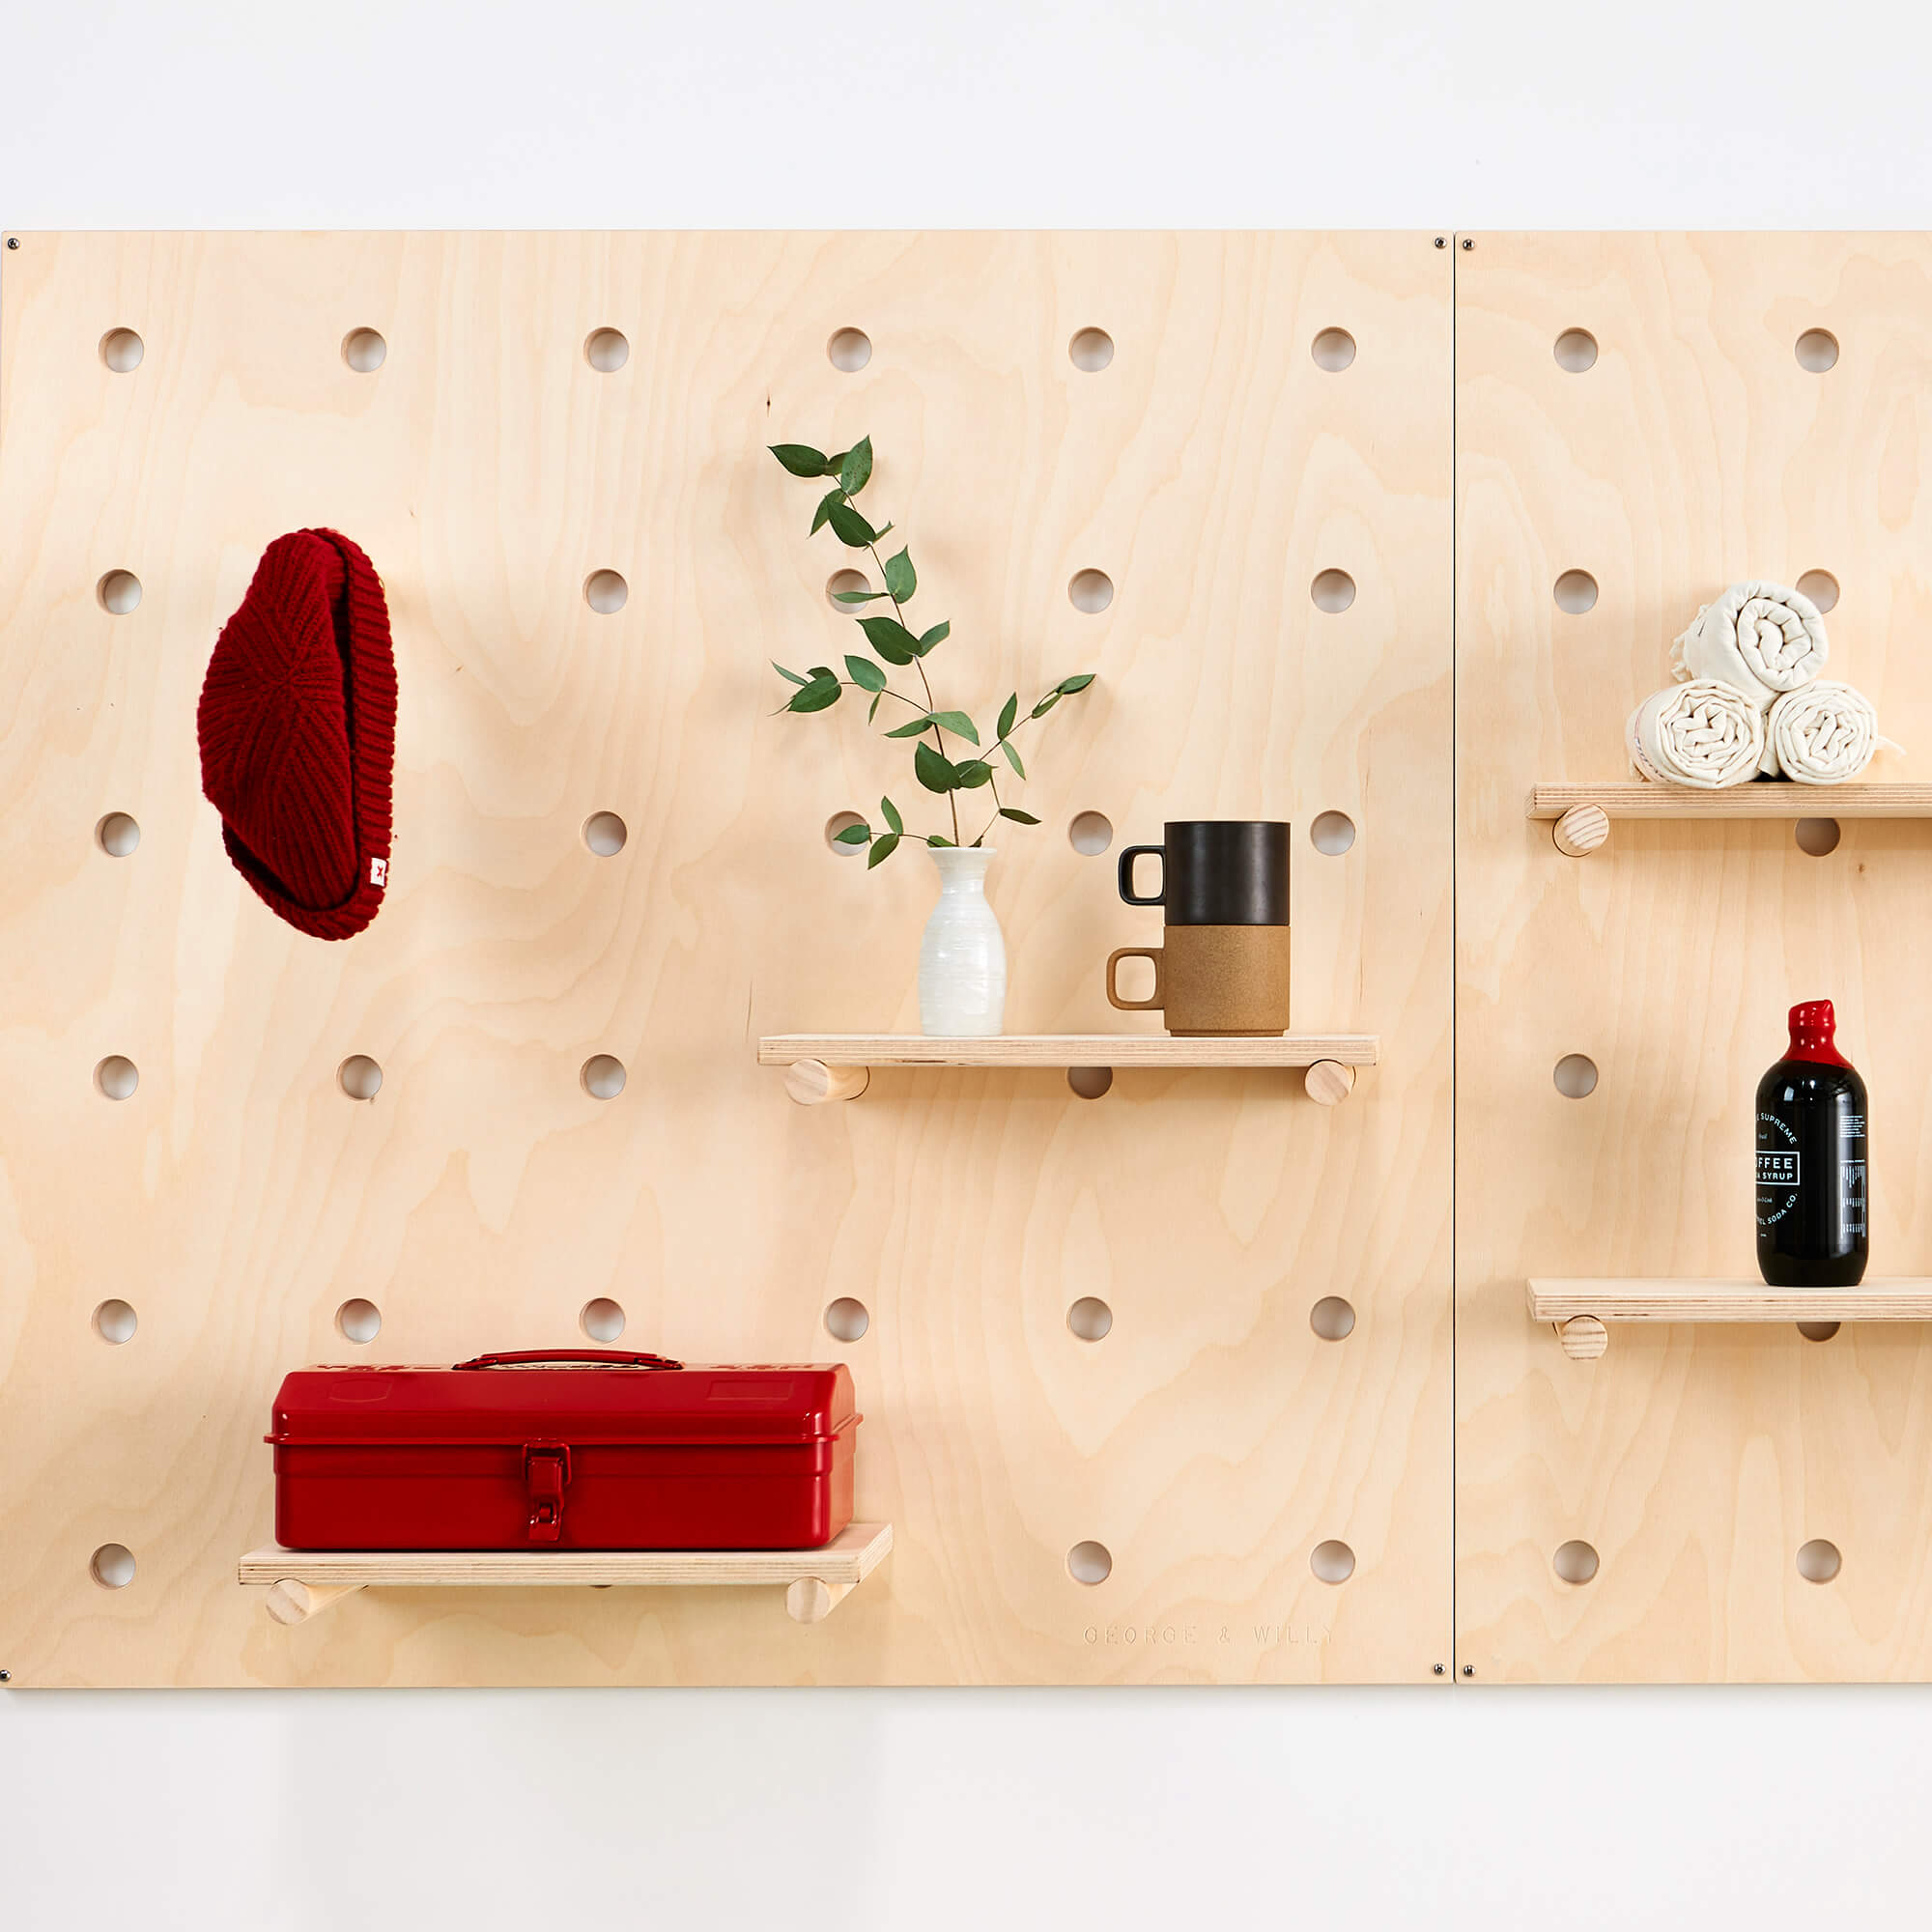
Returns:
(1082, 1049)
(1698, 1457)
(483, 1197)
(1743, 1299)
(1779, 799)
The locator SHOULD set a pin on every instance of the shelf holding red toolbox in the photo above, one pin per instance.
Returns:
(564, 1449)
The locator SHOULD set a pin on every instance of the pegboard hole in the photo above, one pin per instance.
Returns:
(1822, 587)
(1817, 1331)
(849, 582)
(603, 1076)
(116, 1077)
(1089, 1562)
(1576, 591)
(121, 350)
(1816, 836)
(364, 351)
(1090, 834)
(849, 350)
(843, 821)
(1090, 1083)
(1333, 1318)
(1575, 1561)
(601, 1319)
(605, 833)
(605, 592)
(1333, 1561)
(607, 350)
(1333, 348)
(112, 1566)
(1090, 1318)
(1575, 351)
(116, 834)
(1333, 591)
(1090, 591)
(1090, 350)
(1332, 832)
(1819, 1561)
(359, 1077)
(1576, 1076)
(846, 1320)
(1817, 350)
(118, 592)
(358, 1321)
(115, 1322)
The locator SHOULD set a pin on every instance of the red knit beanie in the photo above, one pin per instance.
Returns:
(298, 727)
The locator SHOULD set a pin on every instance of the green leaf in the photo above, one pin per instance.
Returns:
(892, 813)
(890, 639)
(825, 504)
(938, 635)
(1068, 685)
(883, 849)
(1012, 757)
(1008, 711)
(857, 596)
(821, 671)
(857, 469)
(934, 773)
(865, 675)
(955, 721)
(834, 463)
(792, 675)
(910, 729)
(1045, 704)
(800, 458)
(873, 710)
(1021, 817)
(900, 579)
(849, 526)
(974, 775)
(818, 696)
(934, 838)
(854, 834)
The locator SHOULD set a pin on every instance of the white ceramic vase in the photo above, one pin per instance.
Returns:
(963, 957)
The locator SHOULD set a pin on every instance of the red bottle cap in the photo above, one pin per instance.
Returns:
(1813, 1025)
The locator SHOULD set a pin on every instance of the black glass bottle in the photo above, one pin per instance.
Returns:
(1811, 1160)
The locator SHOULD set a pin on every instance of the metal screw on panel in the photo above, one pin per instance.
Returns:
(1468, 1671)
(14, 242)
(1442, 241)
(6, 1677)
(1467, 244)
(1438, 1668)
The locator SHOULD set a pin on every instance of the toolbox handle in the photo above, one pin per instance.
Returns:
(615, 1358)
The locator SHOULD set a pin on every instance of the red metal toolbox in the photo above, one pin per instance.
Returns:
(568, 1449)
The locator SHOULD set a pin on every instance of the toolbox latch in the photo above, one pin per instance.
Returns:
(546, 1470)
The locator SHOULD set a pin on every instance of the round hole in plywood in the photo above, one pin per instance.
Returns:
(1333, 1318)
(121, 350)
(1333, 348)
(1818, 837)
(1819, 1561)
(1575, 350)
(118, 592)
(601, 1319)
(603, 1076)
(1333, 1561)
(849, 350)
(605, 833)
(846, 1320)
(1332, 592)
(1090, 591)
(1575, 1561)
(364, 351)
(1332, 832)
(1816, 350)
(116, 834)
(116, 1077)
(358, 1321)
(844, 821)
(1090, 350)
(1089, 832)
(115, 1322)
(1576, 1076)
(1817, 1331)
(1090, 1083)
(1822, 587)
(359, 1077)
(605, 592)
(1575, 591)
(1089, 1562)
(1090, 1318)
(607, 350)
(112, 1566)
(846, 584)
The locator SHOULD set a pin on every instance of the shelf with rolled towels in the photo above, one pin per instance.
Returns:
(1582, 812)
(1579, 1308)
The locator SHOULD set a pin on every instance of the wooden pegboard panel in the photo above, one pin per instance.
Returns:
(1696, 1461)
(238, 1198)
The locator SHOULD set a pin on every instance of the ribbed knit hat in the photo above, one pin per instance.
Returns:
(298, 727)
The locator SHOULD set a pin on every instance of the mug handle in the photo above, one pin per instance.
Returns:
(1127, 859)
(1152, 952)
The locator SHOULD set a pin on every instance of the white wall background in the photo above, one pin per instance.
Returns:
(923, 1811)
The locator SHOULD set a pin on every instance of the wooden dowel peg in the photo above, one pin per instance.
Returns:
(809, 1600)
(1581, 829)
(812, 1083)
(293, 1603)
(1329, 1082)
(1583, 1337)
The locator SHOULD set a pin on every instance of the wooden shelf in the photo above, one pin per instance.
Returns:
(302, 1583)
(1583, 811)
(1581, 1305)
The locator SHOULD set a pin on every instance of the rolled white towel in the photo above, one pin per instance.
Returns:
(1824, 734)
(1706, 733)
(1763, 637)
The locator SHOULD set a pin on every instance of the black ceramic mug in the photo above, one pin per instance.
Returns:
(1217, 872)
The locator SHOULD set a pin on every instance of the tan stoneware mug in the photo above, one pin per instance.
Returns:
(1212, 979)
